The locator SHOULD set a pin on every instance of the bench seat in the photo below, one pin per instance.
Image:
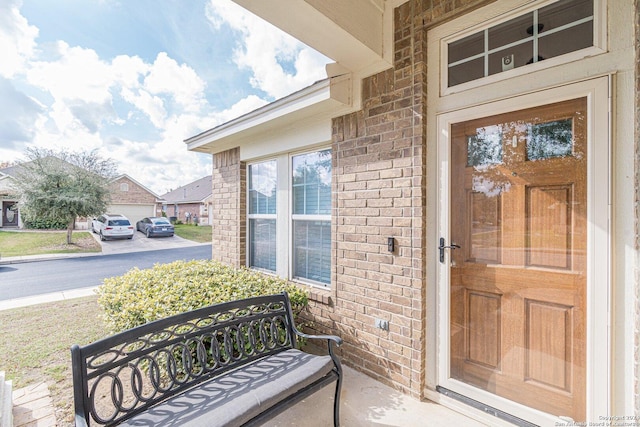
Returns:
(236, 397)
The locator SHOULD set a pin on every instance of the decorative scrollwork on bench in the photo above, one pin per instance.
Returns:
(154, 363)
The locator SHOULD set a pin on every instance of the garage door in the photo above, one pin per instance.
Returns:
(133, 212)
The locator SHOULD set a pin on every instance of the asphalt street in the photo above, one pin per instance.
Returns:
(25, 279)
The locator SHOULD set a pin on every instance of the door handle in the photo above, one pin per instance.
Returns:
(442, 247)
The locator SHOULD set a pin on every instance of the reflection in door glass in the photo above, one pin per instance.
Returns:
(485, 147)
(517, 284)
(551, 139)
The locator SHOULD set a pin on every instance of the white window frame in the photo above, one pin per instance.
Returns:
(284, 216)
(251, 216)
(300, 217)
(501, 16)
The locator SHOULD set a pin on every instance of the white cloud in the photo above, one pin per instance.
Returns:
(164, 164)
(61, 129)
(77, 73)
(152, 106)
(263, 48)
(246, 105)
(127, 70)
(179, 81)
(17, 38)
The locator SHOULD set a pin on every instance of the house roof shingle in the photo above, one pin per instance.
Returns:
(194, 192)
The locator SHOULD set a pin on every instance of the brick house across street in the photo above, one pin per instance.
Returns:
(190, 201)
(460, 196)
(132, 199)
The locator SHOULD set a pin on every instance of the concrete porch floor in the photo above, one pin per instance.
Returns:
(366, 402)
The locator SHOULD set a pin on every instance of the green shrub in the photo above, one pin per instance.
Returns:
(141, 296)
(44, 224)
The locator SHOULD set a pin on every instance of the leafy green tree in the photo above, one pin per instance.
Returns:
(60, 186)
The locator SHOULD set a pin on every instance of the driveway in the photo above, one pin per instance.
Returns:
(140, 242)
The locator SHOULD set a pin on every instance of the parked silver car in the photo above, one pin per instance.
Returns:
(155, 226)
(112, 226)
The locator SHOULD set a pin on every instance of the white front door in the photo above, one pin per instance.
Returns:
(524, 260)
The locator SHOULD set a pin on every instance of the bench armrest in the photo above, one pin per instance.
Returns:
(331, 338)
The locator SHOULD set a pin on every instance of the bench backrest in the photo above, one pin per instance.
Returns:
(124, 374)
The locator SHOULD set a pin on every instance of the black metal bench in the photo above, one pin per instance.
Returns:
(229, 364)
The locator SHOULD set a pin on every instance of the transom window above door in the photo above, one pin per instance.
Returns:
(523, 38)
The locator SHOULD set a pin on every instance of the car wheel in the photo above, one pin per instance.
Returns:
(102, 237)
(148, 233)
(130, 237)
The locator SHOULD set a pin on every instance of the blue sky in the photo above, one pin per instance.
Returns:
(133, 79)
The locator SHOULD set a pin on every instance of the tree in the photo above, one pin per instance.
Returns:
(60, 186)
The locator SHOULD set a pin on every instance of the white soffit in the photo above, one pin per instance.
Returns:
(351, 32)
(319, 102)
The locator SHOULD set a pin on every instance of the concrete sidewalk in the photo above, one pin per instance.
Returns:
(45, 298)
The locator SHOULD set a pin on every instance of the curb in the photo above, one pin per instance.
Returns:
(50, 257)
(46, 257)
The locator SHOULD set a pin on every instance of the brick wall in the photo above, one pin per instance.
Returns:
(183, 208)
(134, 194)
(379, 181)
(228, 208)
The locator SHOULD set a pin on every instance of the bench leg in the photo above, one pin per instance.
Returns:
(336, 403)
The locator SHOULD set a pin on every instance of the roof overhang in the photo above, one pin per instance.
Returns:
(357, 34)
(7, 183)
(303, 111)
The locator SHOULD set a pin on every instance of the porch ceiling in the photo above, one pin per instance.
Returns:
(357, 34)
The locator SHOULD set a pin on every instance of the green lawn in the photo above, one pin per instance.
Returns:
(19, 243)
(200, 233)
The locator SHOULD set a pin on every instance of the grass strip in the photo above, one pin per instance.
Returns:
(20, 243)
(199, 233)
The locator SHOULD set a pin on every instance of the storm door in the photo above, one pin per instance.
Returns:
(517, 282)
(9, 214)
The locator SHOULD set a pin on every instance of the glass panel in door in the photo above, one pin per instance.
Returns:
(518, 282)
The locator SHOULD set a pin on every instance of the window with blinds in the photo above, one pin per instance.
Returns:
(311, 216)
(289, 216)
(262, 213)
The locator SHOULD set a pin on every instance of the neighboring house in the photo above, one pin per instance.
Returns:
(190, 201)
(8, 202)
(132, 199)
(128, 197)
(479, 242)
